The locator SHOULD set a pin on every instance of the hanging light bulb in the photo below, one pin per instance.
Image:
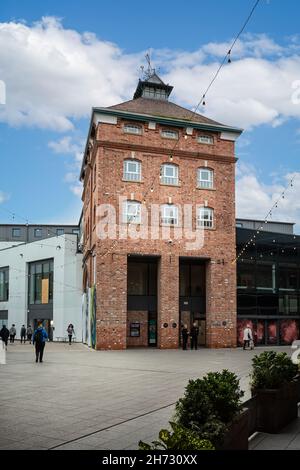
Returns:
(171, 158)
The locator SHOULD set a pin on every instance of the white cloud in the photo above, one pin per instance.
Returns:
(68, 146)
(254, 198)
(3, 197)
(55, 75)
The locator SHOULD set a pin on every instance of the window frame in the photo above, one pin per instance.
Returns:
(163, 133)
(164, 218)
(202, 222)
(126, 172)
(138, 213)
(133, 126)
(60, 230)
(164, 179)
(13, 232)
(209, 139)
(39, 270)
(35, 233)
(203, 183)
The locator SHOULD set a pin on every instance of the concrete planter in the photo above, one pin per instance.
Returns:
(276, 408)
(236, 437)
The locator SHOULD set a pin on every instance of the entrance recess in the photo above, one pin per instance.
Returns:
(192, 290)
(142, 301)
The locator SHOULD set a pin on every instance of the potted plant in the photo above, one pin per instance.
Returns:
(212, 408)
(275, 383)
(178, 439)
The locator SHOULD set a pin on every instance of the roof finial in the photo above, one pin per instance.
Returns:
(150, 71)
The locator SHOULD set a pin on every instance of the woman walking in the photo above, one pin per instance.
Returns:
(71, 332)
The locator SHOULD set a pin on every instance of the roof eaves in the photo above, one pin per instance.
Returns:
(169, 120)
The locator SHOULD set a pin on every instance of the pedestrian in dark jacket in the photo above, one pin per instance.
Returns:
(71, 332)
(4, 335)
(29, 333)
(39, 340)
(194, 336)
(185, 335)
(12, 333)
(23, 334)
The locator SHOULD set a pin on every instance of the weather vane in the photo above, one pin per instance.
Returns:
(149, 71)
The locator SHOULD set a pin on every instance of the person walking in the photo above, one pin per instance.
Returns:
(4, 335)
(248, 336)
(39, 340)
(23, 334)
(12, 333)
(29, 333)
(184, 335)
(194, 336)
(71, 332)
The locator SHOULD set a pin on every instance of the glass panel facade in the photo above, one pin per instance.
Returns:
(4, 284)
(288, 277)
(268, 287)
(265, 276)
(40, 290)
(246, 275)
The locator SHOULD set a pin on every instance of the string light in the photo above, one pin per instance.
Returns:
(269, 214)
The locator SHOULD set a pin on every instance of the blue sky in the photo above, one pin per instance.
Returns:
(54, 72)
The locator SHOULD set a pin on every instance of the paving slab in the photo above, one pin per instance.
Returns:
(103, 399)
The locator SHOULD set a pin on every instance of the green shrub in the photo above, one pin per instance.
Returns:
(179, 439)
(271, 370)
(209, 404)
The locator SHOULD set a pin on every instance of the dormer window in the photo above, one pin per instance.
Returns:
(205, 139)
(169, 134)
(132, 129)
(169, 174)
(132, 170)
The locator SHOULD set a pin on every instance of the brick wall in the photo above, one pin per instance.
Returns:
(110, 149)
(142, 319)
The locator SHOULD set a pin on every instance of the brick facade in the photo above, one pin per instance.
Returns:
(103, 184)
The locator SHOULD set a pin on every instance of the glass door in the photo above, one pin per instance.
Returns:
(152, 329)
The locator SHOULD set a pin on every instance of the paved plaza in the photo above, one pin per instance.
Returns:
(84, 399)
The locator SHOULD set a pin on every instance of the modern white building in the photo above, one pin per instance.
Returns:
(41, 278)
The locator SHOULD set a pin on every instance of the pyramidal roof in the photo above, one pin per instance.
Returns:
(151, 97)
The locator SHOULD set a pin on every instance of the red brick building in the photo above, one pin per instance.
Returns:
(173, 169)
